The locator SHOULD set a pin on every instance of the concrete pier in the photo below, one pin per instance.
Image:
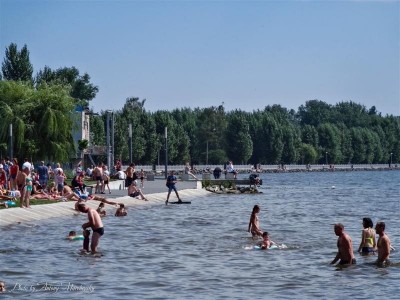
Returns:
(155, 192)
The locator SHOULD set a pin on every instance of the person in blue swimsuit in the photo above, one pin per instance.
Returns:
(171, 181)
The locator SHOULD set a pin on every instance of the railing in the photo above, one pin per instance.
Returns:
(250, 168)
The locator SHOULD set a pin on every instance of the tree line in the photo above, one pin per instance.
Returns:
(41, 108)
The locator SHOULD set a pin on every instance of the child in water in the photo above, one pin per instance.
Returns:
(86, 240)
(121, 211)
(101, 210)
(266, 243)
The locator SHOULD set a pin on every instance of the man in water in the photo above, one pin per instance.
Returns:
(383, 244)
(345, 247)
(94, 222)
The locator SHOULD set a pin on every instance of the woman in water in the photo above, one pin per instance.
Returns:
(368, 241)
(254, 224)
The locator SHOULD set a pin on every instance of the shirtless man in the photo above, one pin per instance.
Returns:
(345, 247)
(134, 191)
(95, 223)
(383, 244)
(98, 176)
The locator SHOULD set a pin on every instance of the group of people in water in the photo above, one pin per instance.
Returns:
(345, 254)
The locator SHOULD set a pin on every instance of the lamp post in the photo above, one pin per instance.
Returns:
(391, 159)
(326, 158)
(11, 142)
(207, 154)
(166, 152)
(130, 143)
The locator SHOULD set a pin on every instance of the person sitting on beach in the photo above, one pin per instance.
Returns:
(383, 245)
(171, 181)
(134, 191)
(254, 224)
(69, 194)
(345, 247)
(121, 211)
(188, 170)
(368, 242)
(266, 243)
(231, 169)
(78, 182)
(101, 210)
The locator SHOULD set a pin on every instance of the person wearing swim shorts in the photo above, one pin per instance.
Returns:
(383, 245)
(171, 181)
(345, 247)
(134, 191)
(368, 241)
(95, 223)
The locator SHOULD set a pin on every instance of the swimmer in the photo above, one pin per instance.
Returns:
(383, 245)
(345, 247)
(121, 211)
(266, 243)
(254, 225)
(101, 210)
(368, 242)
(2, 287)
(71, 235)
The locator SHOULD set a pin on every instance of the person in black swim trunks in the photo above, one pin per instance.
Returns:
(95, 223)
(345, 247)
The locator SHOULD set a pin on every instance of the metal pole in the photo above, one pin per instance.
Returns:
(391, 158)
(130, 143)
(112, 140)
(108, 139)
(326, 158)
(207, 154)
(11, 143)
(166, 152)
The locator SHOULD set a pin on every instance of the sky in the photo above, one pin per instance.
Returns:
(242, 54)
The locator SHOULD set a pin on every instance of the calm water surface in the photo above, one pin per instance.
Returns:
(198, 251)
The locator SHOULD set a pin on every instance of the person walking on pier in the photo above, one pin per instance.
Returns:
(171, 181)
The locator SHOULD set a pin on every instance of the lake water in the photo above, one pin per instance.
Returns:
(198, 251)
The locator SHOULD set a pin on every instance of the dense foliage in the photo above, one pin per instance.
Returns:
(40, 110)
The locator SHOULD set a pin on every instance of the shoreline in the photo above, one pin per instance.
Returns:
(157, 195)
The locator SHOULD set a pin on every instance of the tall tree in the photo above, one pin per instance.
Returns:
(81, 88)
(16, 65)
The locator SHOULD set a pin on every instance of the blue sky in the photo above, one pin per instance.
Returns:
(246, 54)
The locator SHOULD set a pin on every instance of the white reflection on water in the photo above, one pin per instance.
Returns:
(198, 251)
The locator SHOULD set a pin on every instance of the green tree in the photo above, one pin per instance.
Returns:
(16, 65)
(41, 119)
(81, 88)
(239, 143)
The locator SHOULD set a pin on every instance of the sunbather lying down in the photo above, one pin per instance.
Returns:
(96, 198)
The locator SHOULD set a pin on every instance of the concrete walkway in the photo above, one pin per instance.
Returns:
(155, 192)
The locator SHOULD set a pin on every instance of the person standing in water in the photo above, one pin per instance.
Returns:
(95, 223)
(383, 245)
(254, 224)
(345, 247)
(368, 241)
